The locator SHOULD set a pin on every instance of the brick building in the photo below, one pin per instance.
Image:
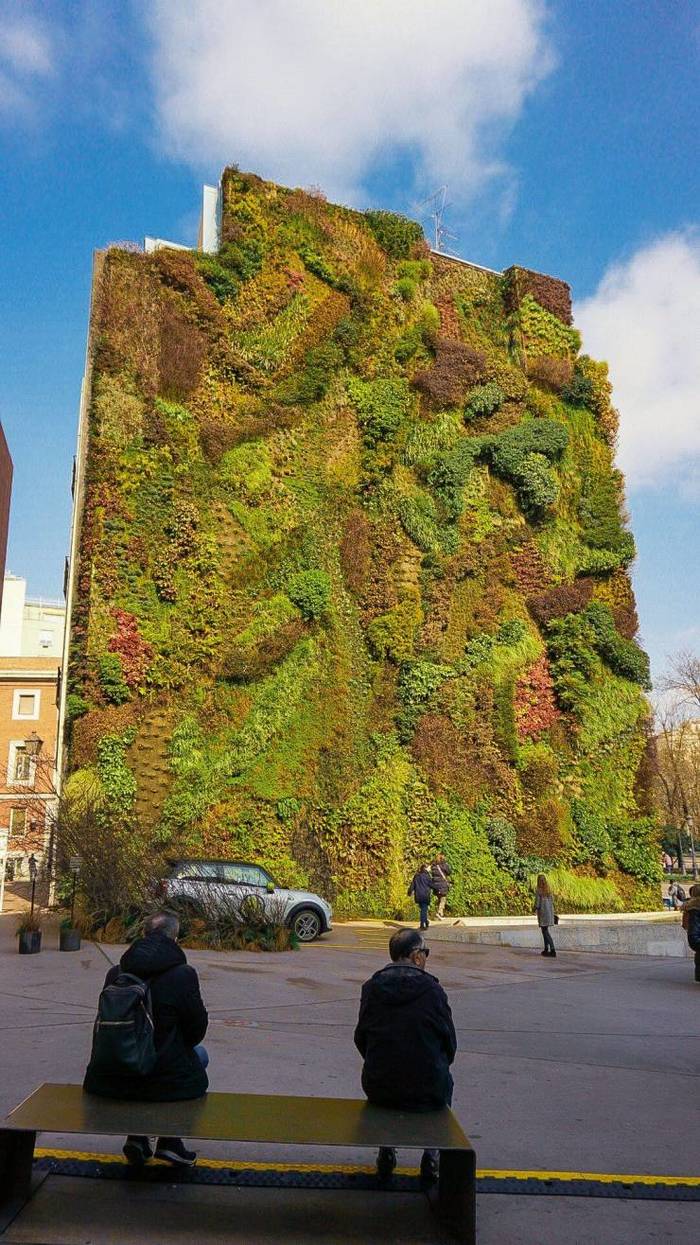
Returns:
(28, 724)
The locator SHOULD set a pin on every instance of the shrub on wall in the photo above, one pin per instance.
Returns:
(310, 591)
(600, 517)
(381, 407)
(550, 371)
(456, 369)
(484, 400)
(546, 334)
(522, 454)
(623, 656)
(559, 601)
(535, 706)
(397, 235)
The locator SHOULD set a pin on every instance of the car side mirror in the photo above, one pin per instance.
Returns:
(270, 888)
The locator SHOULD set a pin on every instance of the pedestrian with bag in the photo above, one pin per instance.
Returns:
(441, 878)
(691, 924)
(146, 1040)
(546, 917)
(422, 888)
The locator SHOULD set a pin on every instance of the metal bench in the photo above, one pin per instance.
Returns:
(277, 1119)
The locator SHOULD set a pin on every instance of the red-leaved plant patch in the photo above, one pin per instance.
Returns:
(535, 706)
(133, 651)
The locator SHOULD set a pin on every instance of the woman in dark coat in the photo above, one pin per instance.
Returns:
(180, 1023)
(441, 874)
(422, 888)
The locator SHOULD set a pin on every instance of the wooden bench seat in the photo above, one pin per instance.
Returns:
(240, 1118)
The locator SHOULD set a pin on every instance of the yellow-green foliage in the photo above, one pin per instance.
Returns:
(573, 893)
(302, 630)
(544, 333)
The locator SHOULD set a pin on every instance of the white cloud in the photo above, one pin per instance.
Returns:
(317, 91)
(645, 320)
(25, 56)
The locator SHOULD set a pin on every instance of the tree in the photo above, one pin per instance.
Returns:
(683, 681)
(678, 768)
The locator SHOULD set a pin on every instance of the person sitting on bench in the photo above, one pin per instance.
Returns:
(169, 1047)
(407, 1040)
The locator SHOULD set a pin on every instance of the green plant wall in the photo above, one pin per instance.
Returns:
(353, 569)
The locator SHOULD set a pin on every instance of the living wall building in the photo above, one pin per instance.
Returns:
(349, 568)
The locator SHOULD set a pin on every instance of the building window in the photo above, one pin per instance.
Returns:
(18, 820)
(25, 705)
(20, 767)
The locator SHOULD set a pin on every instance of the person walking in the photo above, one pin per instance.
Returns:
(406, 1036)
(441, 874)
(155, 975)
(422, 888)
(691, 924)
(544, 907)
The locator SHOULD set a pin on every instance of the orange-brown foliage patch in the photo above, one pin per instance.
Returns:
(457, 368)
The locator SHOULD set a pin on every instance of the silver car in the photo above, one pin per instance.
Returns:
(238, 884)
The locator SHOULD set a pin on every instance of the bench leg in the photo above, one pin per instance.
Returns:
(16, 1158)
(457, 1193)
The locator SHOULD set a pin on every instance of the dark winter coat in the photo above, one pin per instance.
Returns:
(421, 886)
(691, 923)
(407, 1039)
(180, 1022)
(440, 872)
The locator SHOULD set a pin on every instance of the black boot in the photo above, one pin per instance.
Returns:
(386, 1163)
(173, 1151)
(429, 1168)
(137, 1151)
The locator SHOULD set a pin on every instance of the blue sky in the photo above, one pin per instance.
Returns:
(567, 133)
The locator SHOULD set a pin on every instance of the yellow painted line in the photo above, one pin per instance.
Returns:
(346, 1168)
(221, 1164)
(596, 1177)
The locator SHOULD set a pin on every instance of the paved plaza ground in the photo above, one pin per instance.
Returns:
(589, 1063)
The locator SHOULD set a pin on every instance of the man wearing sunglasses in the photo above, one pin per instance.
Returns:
(407, 1040)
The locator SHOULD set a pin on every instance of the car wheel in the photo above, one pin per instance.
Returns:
(306, 925)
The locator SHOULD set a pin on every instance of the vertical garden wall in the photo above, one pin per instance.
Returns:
(353, 568)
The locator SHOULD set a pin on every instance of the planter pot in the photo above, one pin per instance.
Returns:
(30, 942)
(69, 939)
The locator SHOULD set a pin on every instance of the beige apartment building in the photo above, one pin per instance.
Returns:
(31, 639)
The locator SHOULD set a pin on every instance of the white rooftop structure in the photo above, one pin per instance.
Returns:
(30, 626)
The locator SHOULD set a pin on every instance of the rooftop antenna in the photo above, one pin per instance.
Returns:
(438, 205)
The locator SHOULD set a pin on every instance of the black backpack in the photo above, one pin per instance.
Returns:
(693, 930)
(123, 1038)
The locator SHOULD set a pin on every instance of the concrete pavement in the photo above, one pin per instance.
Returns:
(583, 1063)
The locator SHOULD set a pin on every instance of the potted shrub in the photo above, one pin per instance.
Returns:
(68, 935)
(29, 934)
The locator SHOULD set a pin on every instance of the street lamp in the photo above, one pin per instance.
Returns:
(33, 745)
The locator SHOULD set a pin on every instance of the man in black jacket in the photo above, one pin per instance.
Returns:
(407, 1039)
(180, 1023)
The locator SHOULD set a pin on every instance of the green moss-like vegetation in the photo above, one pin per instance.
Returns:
(329, 497)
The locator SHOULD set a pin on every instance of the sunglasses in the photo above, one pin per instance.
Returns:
(423, 951)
